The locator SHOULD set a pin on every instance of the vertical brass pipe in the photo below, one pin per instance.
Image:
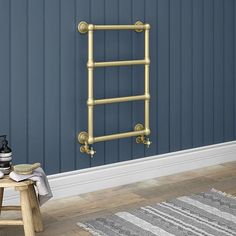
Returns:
(90, 84)
(146, 86)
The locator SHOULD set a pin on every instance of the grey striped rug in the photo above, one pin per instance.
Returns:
(209, 213)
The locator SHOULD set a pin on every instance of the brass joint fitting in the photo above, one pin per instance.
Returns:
(90, 27)
(90, 102)
(147, 96)
(147, 26)
(147, 61)
(147, 131)
(90, 140)
(90, 64)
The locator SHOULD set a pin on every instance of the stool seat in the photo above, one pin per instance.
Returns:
(6, 182)
(29, 206)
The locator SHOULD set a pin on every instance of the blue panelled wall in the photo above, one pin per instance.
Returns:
(43, 77)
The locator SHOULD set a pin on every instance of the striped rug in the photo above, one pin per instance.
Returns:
(209, 213)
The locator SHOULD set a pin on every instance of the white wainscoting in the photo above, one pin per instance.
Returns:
(73, 183)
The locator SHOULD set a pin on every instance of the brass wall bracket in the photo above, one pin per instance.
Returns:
(142, 138)
(83, 27)
(85, 147)
(138, 23)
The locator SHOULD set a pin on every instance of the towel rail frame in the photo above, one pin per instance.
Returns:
(141, 131)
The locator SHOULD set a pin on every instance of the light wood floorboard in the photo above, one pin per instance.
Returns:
(60, 216)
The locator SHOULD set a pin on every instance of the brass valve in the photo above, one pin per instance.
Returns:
(85, 148)
(88, 149)
(142, 138)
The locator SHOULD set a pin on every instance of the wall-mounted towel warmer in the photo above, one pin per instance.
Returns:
(87, 138)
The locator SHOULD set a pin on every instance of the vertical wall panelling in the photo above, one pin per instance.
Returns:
(186, 74)
(234, 70)
(67, 91)
(228, 70)
(111, 81)
(138, 13)
(151, 18)
(52, 85)
(19, 80)
(36, 81)
(5, 66)
(175, 74)
(82, 14)
(98, 17)
(125, 79)
(43, 77)
(197, 104)
(163, 58)
(218, 71)
(208, 82)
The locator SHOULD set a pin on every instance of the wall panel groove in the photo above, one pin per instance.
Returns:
(137, 74)
(186, 72)
(43, 77)
(5, 66)
(234, 70)
(111, 81)
(60, 133)
(125, 80)
(19, 79)
(208, 77)
(75, 85)
(218, 72)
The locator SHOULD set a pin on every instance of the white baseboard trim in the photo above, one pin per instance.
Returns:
(73, 183)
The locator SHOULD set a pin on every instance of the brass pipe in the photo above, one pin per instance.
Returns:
(119, 63)
(118, 136)
(146, 86)
(120, 27)
(90, 86)
(120, 99)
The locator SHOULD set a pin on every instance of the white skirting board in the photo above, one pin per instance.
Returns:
(73, 183)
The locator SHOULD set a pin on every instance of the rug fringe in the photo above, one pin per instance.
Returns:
(223, 193)
(87, 228)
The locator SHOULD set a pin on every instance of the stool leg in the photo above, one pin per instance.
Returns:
(26, 212)
(1, 198)
(37, 219)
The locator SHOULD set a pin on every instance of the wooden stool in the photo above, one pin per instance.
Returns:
(29, 206)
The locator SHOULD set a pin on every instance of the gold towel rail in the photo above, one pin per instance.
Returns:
(120, 135)
(141, 131)
(120, 99)
(120, 63)
(84, 27)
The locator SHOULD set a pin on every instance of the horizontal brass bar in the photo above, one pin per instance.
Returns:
(118, 136)
(11, 208)
(121, 27)
(11, 222)
(121, 99)
(119, 63)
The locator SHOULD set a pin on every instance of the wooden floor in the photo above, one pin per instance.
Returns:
(60, 216)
